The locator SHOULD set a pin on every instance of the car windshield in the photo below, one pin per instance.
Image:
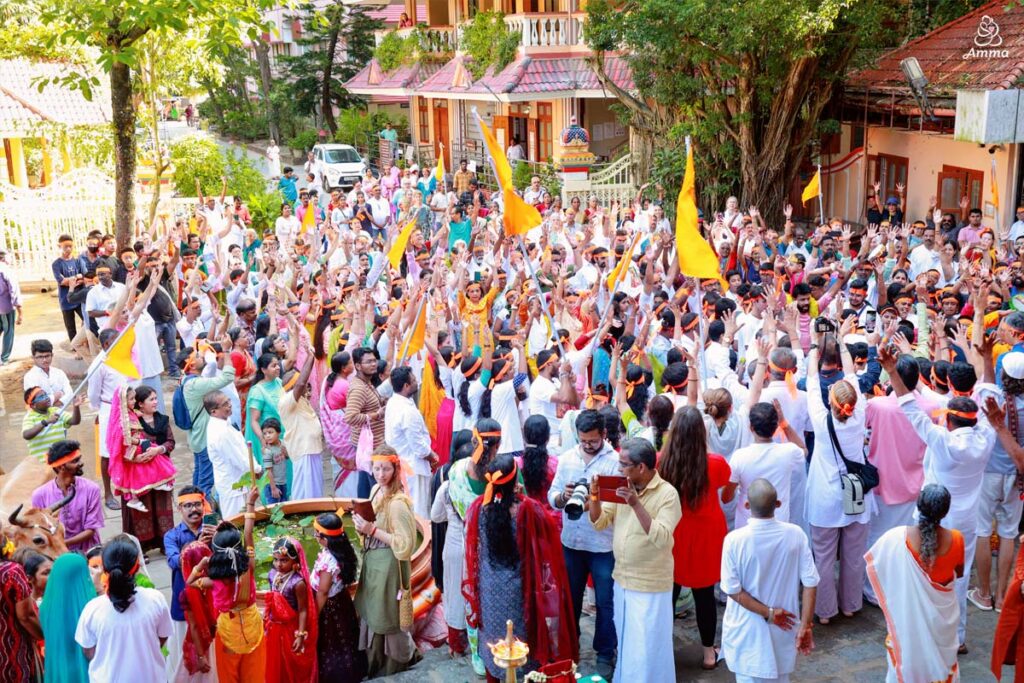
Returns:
(341, 156)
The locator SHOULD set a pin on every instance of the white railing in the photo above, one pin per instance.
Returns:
(617, 172)
(611, 182)
(547, 30)
(31, 220)
(434, 40)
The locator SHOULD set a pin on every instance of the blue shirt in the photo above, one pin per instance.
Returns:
(581, 534)
(461, 230)
(174, 540)
(999, 363)
(63, 268)
(287, 187)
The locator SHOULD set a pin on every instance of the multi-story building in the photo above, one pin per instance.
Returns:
(530, 100)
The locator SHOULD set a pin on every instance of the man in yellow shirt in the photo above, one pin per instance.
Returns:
(644, 523)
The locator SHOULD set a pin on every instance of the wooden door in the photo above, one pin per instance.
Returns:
(501, 134)
(533, 140)
(889, 170)
(441, 131)
(956, 182)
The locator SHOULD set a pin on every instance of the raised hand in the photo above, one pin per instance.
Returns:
(787, 211)
(900, 187)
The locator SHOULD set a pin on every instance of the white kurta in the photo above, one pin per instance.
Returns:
(764, 558)
(921, 616)
(230, 459)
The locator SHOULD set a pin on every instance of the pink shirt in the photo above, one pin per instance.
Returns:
(895, 449)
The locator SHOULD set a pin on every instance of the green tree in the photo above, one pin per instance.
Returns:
(115, 28)
(200, 158)
(316, 80)
(748, 79)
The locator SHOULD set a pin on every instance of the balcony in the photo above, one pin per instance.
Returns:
(541, 32)
(434, 39)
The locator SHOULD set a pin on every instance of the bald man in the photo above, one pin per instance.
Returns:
(760, 631)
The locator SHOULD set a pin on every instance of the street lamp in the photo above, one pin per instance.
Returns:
(918, 83)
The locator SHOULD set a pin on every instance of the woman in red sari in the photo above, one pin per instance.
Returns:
(290, 616)
(515, 571)
(197, 664)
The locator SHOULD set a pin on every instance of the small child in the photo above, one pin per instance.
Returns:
(274, 453)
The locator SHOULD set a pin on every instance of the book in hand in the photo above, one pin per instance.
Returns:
(606, 486)
(362, 507)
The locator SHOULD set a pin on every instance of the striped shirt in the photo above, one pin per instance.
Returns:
(40, 444)
(363, 402)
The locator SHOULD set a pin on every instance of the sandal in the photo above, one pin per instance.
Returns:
(113, 504)
(974, 595)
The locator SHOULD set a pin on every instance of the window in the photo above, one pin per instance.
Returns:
(956, 182)
(889, 171)
(546, 135)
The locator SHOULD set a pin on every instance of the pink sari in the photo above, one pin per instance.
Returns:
(337, 434)
(281, 622)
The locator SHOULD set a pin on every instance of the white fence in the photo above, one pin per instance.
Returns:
(612, 182)
(31, 220)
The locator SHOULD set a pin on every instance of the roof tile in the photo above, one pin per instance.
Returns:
(22, 103)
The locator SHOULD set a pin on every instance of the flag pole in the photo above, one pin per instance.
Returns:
(701, 320)
(821, 195)
(540, 295)
(97, 362)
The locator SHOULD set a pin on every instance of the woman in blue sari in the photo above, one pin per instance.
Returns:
(68, 590)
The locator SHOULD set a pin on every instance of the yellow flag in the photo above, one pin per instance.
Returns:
(439, 171)
(995, 187)
(416, 338)
(618, 273)
(401, 242)
(694, 253)
(119, 356)
(813, 188)
(502, 169)
(431, 398)
(519, 217)
(308, 218)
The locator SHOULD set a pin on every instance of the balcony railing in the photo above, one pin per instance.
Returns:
(547, 30)
(435, 40)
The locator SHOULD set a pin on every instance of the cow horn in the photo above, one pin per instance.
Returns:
(13, 519)
(61, 503)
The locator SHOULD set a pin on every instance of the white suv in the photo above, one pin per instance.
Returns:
(342, 166)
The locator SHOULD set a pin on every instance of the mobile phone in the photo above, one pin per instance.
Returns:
(212, 519)
(607, 485)
(145, 445)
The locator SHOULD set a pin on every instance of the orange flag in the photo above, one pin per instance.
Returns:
(519, 217)
(431, 398)
(418, 335)
(696, 258)
(502, 169)
(400, 244)
(618, 273)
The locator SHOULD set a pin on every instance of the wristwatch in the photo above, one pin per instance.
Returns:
(812, 346)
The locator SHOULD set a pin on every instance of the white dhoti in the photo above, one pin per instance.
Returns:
(921, 616)
(419, 491)
(232, 502)
(104, 417)
(307, 477)
(886, 517)
(643, 624)
(173, 661)
(740, 678)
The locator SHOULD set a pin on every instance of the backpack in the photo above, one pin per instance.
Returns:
(182, 417)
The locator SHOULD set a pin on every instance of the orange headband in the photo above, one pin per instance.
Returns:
(33, 395)
(689, 327)
(495, 479)
(593, 400)
(191, 498)
(676, 387)
(386, 457)
(959, 413)
(631, 387)
(478, 437)
(500, 375)
(456, 357)
(190, 363)
(845, 409)
(788, 372)
(551, 359)
(328, 532)
(474, 368)
(67, 458)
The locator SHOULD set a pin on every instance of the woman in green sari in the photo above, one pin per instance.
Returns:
(264, 395)
(68, 590)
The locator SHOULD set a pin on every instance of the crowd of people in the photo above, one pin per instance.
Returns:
(589, 431)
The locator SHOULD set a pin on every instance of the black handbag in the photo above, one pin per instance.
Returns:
(859, 478)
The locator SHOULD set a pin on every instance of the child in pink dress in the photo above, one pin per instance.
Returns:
(136, 466)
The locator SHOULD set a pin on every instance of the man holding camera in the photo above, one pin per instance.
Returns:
(644, 519)
(588, 552)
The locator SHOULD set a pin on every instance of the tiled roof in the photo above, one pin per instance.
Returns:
(525, 76)
(22, 104)
(371, 79)
(995, 34)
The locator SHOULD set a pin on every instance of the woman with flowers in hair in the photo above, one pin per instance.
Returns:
(229, 576)
(466, 483)
(19, 620)
(515, 571)
(384, 596)
(290, 614)
(338, 656)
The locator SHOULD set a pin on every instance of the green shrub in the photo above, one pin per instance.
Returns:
(488, 41)
(303, 140)
(395, 50)
(244, 179)
(264, 207)
(200, 158)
